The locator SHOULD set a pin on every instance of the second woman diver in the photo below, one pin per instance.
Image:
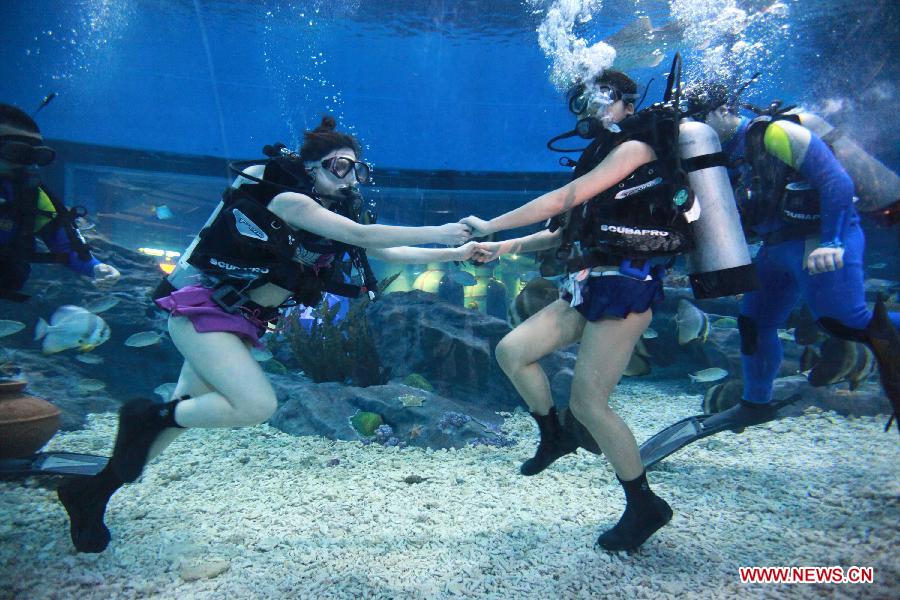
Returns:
(608, 296)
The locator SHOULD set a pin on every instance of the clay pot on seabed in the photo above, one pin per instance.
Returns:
(26, 422)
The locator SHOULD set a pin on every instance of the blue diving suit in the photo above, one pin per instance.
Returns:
(835, 298)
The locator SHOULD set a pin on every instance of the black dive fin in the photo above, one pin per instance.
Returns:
(675, 437)
(52, 463)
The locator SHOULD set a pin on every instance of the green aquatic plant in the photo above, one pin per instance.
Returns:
(343, 351)
(366, 423)
(418, 381)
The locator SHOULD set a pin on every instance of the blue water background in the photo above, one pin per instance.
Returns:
(426, 84)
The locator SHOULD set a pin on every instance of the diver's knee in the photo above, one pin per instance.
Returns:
(260, 410)
(582, 407)
(749, 332)
(578, 407)
(507, 355)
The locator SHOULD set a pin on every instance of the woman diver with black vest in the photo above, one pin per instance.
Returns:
(606, 299)
(617, 224)
(275, 237)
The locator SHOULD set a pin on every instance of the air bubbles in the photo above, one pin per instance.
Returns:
(727, 42)
(573, 58)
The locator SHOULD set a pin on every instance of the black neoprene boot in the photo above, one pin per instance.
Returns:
(85, 499)
(645, 512)
(554, 444)
(140, 423)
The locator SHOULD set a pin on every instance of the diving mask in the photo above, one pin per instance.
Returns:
(26, 153)
(595, 99)
(341, 166)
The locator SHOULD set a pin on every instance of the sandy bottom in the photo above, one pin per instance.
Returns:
(255, 513)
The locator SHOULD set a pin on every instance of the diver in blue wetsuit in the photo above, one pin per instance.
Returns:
(28, 211)
(797, 199)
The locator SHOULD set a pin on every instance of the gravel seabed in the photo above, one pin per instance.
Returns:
(256, 513)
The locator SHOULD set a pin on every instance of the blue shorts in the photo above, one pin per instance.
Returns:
(617, 296)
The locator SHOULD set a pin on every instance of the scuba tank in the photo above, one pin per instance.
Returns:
(720, 263)
(877, 187)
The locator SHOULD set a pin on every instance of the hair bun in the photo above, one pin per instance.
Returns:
(328, 124)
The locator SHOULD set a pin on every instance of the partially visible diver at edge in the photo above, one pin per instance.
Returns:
(29, 211)
(277, 236)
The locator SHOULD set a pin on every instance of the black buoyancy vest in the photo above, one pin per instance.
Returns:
(776, 190)
(249, 245)
(637, 217)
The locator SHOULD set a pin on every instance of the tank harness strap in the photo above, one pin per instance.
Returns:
(832, 136)
(361, 259)
(162, 290)
(231, 300)
(704, 161)
(235, 301)
(228, 298)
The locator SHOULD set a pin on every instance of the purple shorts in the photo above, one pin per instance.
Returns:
(195, 302)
